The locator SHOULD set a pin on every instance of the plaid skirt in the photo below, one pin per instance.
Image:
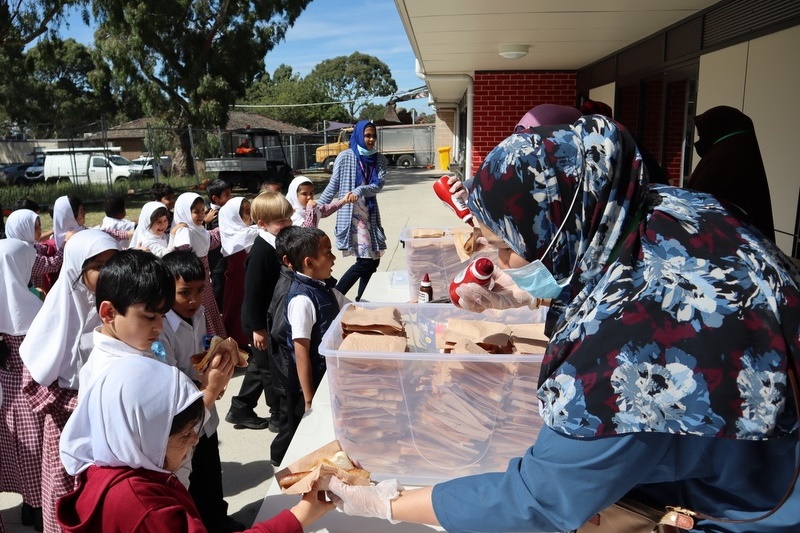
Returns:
(55, 480)
(214, 323)
(21, 432)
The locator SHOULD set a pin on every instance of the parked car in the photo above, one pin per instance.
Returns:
(142, 166)
(14, 174)
(35, 172)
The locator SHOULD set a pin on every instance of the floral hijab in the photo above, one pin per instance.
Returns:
(680, 318)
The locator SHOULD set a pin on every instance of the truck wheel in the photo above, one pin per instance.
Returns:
(328, 163)
(20, 181)
(122, 180)
(63, 180)
(405, 161)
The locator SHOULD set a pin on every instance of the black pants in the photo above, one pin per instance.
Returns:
(205, 482)
(362, 270)
(257, 379)
(290, 412)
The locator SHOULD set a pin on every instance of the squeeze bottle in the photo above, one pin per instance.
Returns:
(458, 206)
(479, 271)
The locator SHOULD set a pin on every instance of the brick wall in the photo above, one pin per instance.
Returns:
(676, 118)
(502, 97)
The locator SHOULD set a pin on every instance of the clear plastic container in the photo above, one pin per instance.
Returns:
(425, 416)
(435, 256)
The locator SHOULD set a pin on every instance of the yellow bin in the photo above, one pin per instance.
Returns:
(444, 158)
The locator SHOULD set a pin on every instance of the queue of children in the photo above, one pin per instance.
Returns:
(108, 315)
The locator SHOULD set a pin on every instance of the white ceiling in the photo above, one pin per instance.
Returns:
(463, 36)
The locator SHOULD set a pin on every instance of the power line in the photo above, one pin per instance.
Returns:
(293, 105)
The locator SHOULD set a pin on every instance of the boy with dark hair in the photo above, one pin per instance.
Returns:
(183, 336)
(312, 304)
(114, 208)
(279, 349)
(219, 192)
(134, 290)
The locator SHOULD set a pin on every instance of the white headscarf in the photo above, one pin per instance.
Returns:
(21, 224)
(234, 233)
(140, 234)
(51, 347)
(63, 220)
(125, 416)
(299, 215)
(195, 235)
(19, 305)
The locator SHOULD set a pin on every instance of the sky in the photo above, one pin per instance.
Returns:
(327, 29)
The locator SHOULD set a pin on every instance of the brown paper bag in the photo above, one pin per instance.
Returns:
(359, 342)
(383, 320)
(317, 470)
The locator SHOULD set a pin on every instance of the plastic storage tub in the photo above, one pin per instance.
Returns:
(435, 256)
(424, 416)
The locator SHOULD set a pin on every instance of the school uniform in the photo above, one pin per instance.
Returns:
(119, 455)
(20, 428)
(198, 239)
(237, 239)
(118, 224)
(262, 269)
(182, 339)
(57, 344)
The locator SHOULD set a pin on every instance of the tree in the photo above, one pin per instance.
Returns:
(354, 80)
(60, 89)
(190, 61)
(300, 98)
(22, 21)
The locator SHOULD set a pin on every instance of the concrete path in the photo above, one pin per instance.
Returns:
(406, 200)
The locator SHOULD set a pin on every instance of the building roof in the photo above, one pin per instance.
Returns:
(138, 128)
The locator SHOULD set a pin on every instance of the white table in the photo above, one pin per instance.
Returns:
(316, 430)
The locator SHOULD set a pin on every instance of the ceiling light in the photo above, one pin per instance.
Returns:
(514, 51)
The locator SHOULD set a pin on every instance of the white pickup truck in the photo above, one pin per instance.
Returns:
(86, 165)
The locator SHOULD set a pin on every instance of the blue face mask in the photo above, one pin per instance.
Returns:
(534, 278)
(363, 151)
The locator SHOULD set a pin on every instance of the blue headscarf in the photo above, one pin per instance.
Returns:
(367, 167)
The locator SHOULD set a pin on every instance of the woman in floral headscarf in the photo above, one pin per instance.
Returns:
(666, 377)
(358, 175)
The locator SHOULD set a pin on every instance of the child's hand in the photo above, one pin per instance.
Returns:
(211, 215)
(219, 373)
(311, 203)
(178, 226)
(351, 198)
(311, 508)
(260, 338)
(130, 234)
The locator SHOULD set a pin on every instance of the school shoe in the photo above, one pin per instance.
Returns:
(32, 516)
(249, 421)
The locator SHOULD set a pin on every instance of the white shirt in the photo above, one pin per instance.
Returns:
(302, 314)
(181, 341)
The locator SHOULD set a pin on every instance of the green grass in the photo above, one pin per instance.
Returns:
(136, 195)
(136, 192)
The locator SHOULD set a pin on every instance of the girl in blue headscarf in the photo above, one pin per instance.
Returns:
(358, 175)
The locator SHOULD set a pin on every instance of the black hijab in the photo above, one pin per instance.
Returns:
(731, 167)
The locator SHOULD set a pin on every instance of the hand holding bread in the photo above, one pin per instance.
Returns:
(216, 365)
(338, 464)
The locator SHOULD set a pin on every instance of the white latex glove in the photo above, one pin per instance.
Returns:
(373, 501)
(504, 294)
(457, 188)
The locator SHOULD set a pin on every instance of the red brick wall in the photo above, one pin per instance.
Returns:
(502, 97)
(676, 116)
(653, 104)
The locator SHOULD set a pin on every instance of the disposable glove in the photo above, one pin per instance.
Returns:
(373, 501)
(457, 188)
(504, 294)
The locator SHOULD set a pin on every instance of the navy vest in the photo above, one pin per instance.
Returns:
(327, 307)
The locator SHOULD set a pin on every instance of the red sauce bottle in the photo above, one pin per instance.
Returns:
(459, 207)
(479, 271)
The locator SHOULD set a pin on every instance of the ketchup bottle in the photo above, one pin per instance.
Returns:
(425, 290)
(459, 207)
(478, 271)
